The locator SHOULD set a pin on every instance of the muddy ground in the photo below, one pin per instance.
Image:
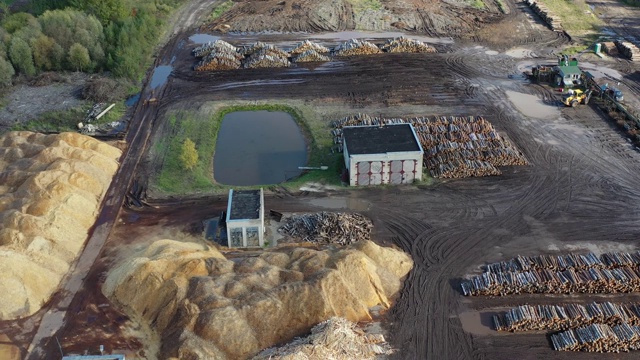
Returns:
(580, 191)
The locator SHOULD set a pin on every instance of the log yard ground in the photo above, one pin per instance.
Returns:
(577, 194)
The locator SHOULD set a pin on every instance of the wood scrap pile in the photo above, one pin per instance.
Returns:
(356, 47)
(611, 273)
(328, 227)
(598, 338)
(136, 196)
(404, 45)
(552, 20)
(308, 45)
(214, 46)
(311, 56)
(558, 317)
(629, 50)
(454, 147)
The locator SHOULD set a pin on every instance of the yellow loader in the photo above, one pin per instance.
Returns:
(576, 96)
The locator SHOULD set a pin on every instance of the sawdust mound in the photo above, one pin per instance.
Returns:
(205, 306)
(50, 190)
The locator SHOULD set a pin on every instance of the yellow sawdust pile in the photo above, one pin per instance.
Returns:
(50, 190)
(205, 306)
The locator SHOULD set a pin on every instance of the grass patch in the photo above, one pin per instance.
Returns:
(54, 121)
(575, 15)
(221, 9)
(359, 6)
(115, 114)
(478, 4)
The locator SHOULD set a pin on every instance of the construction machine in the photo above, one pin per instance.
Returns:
(577, 96)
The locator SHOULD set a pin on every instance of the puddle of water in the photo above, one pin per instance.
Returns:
(491, 52)
(132, 100)
(341, 203)
(160, 75)
(477, 323)
(531, 105)
(258, 148)
(600, 71)
(203, 38)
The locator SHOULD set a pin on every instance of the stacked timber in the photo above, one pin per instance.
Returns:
(610, 48)
(311, 56)
(268, 57)
(328, 227)
(218, 61)
(355, 47)
(252, 49)
(552, 20)
(214, 46)
(307, 46)
(598, 338)
(629, 50)
(404, 45)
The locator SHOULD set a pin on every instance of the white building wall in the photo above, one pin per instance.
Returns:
(385, 162)
(243, 224)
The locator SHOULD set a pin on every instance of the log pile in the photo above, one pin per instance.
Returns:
(598, 338)
(252, 49)
(355, 47)
(610, 48)
(215, 46)
(267, 57)
(404, 45)
(454, 147)
(629, 50)
(611, 273)
(328, 227)
(558, 317)
(218, 61)
(311, 56)
(308, 45)
(552, 20)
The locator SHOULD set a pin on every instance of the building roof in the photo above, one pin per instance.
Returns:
(244, 204)
(568, 70)
(380, 139)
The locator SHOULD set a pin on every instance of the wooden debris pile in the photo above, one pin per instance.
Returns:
(328, 227)
(404, 45)
(356, 47)
(559, 317)
(308, 45)
(598, 338)
(629, 50)
(215, 46)
(454, 147)
(552, 20)
(311, 56)
(565, 274)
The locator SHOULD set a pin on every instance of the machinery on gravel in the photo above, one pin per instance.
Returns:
(575, 97)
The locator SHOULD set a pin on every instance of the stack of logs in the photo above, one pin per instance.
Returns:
(356, 47)
(308, 45)
(598, 338)
(565, 274)
(267, 56)
(311, 56)
(218, 55)
(454, 147)
(404, 45)
(552, 20)
(559, 317)
(629, 50)
(328, 227)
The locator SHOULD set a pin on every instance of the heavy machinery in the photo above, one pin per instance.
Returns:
(576, 96)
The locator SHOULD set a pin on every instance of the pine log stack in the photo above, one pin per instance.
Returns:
(311, 56)
(328, 227)
(629, 50)
(218, 61)
(552, 20)
(215, 46)
(405, 45)
(253, 48)
(268, 57)
(307, 46)
(598, 338)
(356, 47)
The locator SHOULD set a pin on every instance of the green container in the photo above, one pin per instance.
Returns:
(597, 47)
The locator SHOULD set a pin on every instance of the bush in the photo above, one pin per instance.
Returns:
(21, 57)
(189, 154)
(79, 57)
(47, 53)
(6, 72)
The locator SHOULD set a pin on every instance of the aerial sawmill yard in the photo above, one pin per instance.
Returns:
(332, 179)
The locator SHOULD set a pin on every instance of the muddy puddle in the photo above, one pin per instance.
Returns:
(258, 148)
(478, 323)
(132, 100)
(160, 75)
(533, 106)
(203, 38)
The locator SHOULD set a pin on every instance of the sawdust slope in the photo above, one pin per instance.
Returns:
(207, 307)
(51, 188)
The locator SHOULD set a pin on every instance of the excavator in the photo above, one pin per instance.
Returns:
(577, 96)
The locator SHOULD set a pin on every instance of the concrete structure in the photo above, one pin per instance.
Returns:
(245, 218)
(376, 155)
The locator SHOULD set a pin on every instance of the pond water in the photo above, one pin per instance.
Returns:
(258, 148)
(160, 75)
(132, 100)
(203, 38)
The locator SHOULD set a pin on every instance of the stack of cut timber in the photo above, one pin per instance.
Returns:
(254, 48)
(311, 56)
(218, 61)
(404, 45)
(629, 50)
(610, 48)
(552, 20)
(355, 47)
(328, 227)
(598, 338)
(215, 46)
(308, 45)
(268, 57)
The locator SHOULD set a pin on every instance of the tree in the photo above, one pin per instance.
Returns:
(21, 57)
(105, 10)
(189, 154)
(6, 72)
(47, 54)
(79, 57)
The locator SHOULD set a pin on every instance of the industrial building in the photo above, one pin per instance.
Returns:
(245, 218)
(375, 155)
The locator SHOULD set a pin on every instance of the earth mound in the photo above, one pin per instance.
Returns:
(50, 190)
(205, 306)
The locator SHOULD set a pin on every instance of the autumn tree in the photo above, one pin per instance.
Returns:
(79, 57)
(189, 154)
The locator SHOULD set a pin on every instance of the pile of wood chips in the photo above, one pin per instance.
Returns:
(328, 227)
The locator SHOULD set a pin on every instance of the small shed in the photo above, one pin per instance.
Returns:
(375, 155)
(245, 218)
(569, 76)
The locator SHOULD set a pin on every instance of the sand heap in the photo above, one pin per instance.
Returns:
(205, 306)
(50, 190)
